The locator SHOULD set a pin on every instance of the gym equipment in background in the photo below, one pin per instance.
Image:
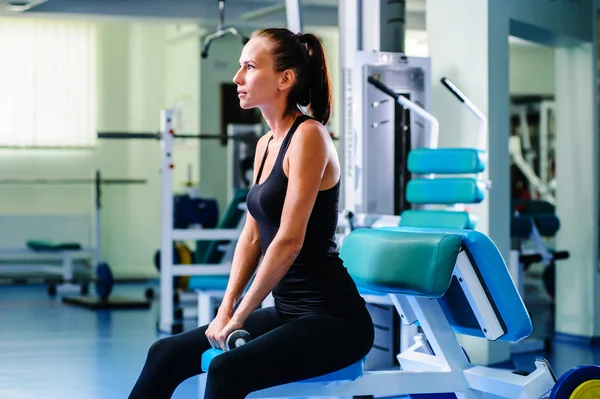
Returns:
(533, 144)
(69, 251)
(214, 240)
(221, 31)
(533, 225)
(104, 278)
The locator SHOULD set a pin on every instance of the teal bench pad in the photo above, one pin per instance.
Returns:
(49, 246)
(484, 255)
(446, 161)
(411, 263)
(438, 219)
(450, 190)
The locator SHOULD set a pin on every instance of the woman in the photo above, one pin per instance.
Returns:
(319, 323)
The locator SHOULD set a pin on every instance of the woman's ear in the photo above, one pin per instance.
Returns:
(287, 80)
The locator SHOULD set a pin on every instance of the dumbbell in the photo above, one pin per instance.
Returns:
(237, 338)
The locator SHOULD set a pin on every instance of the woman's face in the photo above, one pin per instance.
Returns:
(256, 80)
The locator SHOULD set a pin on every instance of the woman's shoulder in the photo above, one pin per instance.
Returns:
(311, 132)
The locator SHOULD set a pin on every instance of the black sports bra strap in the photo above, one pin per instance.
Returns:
(262, 164)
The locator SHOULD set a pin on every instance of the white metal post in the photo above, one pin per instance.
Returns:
(166, 248)
(96, 223)
(293, 15)
(350, 31)
(546, 107)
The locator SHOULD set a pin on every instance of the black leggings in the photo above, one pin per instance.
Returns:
(281, 351)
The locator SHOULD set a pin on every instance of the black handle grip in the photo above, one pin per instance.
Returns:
(127, 136)
(350, 217)
(453, 89)
(377, 83)
(559, 255)
(530, 258)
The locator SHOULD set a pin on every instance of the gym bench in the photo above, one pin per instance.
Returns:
(448, 282)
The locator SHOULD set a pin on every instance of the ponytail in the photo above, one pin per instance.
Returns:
(304, 54)
(319, 91)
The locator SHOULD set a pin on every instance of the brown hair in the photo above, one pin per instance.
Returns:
(302, 53)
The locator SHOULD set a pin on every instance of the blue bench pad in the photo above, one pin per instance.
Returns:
(349, 373)
(208, 282)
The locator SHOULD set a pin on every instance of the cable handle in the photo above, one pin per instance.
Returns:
(453, 89)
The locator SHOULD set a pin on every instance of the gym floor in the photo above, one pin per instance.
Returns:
(52, 351)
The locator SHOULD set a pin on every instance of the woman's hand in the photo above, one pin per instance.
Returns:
(220, 328)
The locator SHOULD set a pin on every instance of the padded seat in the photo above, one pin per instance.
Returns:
(446, 160)
(459, 190)
(521, 227)
(438, 219)
(349, 373)
(547, 224)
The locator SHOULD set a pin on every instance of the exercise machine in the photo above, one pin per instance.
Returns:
(533, 154)
(462, 287)
(209, 271)
(39, 251)
(221, 31)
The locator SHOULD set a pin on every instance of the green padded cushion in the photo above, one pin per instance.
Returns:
(49, 246)
(446, 160)
(413, 263)
(459, 190)
(439, 219)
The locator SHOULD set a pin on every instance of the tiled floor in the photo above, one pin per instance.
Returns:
(52, 351)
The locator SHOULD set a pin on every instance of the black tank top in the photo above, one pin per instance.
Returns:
(317, 281)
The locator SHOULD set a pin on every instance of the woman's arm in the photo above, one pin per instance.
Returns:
(245, 261)
(247, 250)
(307, 156)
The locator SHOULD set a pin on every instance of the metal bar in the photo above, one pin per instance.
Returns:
(72, 181)
(166, 247)
(201, 136)
(206, 234)
(127, 136)
(201, 270)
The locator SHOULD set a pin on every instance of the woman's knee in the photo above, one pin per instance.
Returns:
(161, 351)
(221, 366)
(222, 373)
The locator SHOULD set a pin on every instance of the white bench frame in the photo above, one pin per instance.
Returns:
(437, 365)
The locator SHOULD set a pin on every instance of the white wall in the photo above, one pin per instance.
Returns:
(532, 69)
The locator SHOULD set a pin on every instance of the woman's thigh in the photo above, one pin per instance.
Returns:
(186, 348)
(307, 347)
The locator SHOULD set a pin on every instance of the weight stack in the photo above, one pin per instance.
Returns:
(387, 337)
